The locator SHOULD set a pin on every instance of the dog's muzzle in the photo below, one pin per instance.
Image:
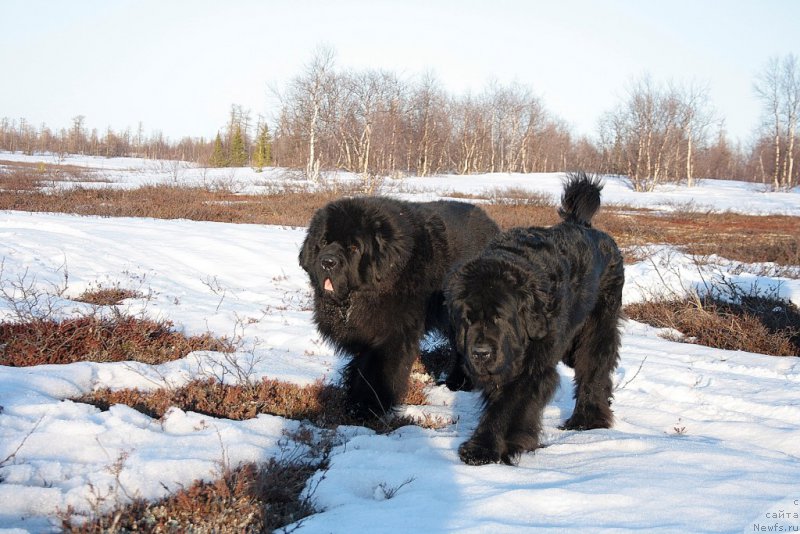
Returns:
(482, 357)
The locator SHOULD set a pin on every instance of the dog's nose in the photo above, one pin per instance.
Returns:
(481, 352)
(328, 261)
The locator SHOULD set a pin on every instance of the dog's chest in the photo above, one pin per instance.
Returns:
(352, 319)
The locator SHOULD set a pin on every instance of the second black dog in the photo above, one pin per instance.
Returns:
(534, 297)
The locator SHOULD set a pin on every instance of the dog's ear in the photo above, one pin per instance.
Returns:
(437, 232)
(379, 244)
(308, 252)
(534, 321)
(459, 325)
(535, 311)
(391, 250)
(382, 233)
(456, 309)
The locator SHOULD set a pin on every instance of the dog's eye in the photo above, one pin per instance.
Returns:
(354, 249)
(496, 320)
(323, 243)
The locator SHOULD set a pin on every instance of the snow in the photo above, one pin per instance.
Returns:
(705, 440)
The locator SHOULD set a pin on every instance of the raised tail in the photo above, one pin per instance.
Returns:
(581, 198)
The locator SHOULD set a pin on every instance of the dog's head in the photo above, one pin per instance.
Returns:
(495, 312)
(353, 243)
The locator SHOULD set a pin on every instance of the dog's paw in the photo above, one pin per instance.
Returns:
(458, 383)
(472, 453)
(511, 457)
(588, 420)
(363, 412)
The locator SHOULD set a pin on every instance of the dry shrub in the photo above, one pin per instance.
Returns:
(510, 216)
(91, 338)
(324, 405)
(174, 202)
(760, 325)
(18, 176)
(744, 238)
(517, 196)
(508, 196)
(416, 391)
(108, 296)
(238, 402)
(250, 498)
(18, 181)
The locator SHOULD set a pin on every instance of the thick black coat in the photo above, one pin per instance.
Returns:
(377, 268)
(532, 298)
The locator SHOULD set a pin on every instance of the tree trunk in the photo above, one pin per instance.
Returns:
(312, 167)
(689, 177)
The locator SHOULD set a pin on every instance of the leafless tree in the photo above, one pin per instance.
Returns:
(695, 117)
(305, 105)
(778, 88)
(77, 135)
(429, 125)
(790, 87)
(652, 136)
(767, 88)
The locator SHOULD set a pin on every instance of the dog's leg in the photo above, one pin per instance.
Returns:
(511, 421)
(457, 379)
(594, 356)
(377, 379)
(525, 424)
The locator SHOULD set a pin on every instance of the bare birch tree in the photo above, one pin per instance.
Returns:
(768, 90)
(695, 117)
(303, 109)
(652, 136)
(790, 87)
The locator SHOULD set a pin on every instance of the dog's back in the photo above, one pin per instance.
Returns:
(468, 228)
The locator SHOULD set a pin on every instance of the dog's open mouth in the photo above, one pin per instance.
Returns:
(328, 285)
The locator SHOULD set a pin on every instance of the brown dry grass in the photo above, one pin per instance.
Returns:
(107, 296)
(250, 498)
(172, 202)
(91, 338)
(763, 326)
(744, 238)
(322, 404)
(281, 207)
(17, 176)
(509, 196)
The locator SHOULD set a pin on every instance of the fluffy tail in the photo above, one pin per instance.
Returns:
(581, 198)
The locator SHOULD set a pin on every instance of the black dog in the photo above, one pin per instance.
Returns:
(377, 266)
(534, 297)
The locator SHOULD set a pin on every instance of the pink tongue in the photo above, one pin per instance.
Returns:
(328, 285)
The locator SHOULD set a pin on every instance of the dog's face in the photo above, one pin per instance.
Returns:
(348, 245)
(493, 318)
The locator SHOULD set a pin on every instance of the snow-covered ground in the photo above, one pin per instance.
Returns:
(705, 439)
(707, 195)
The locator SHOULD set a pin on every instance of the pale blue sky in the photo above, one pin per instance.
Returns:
(177, 66)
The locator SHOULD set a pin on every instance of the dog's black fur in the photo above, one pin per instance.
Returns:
(377, 267)
(532, 298)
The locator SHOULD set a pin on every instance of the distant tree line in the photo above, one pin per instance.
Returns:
(374, 123)
(22, 136)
